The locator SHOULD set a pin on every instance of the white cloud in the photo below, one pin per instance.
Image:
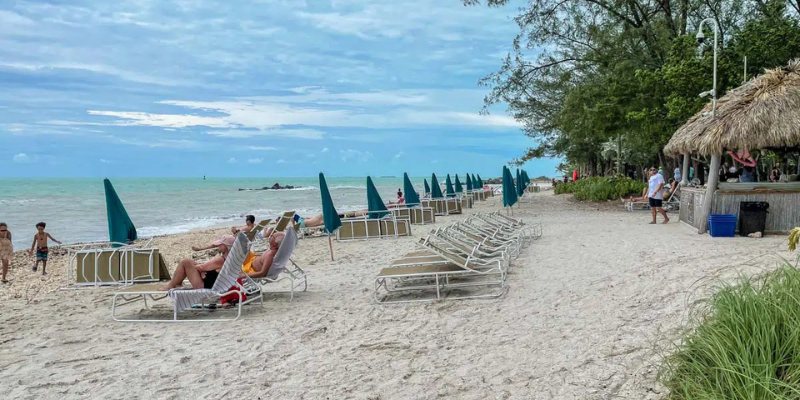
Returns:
(355, 155)
(298, 116)
(104, 161)
(261, 148)
(398, 155)
(22, 158)
(281, 161)
(255, 160)
(324, 150)
(232, 160)
(313, 134)
(131, 76)
(128, 118)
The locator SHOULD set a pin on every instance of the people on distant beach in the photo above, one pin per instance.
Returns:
(202, 276)
(40, 245)
(655, 195)
(400, 198)
(6, 249)
(249, 224)
(262, 263)
(677, 174)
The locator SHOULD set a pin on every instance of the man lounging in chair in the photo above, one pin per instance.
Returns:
(249, 224)
(262, 263)
(202, 276)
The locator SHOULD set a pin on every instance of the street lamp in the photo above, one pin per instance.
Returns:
(701, 38)
(713, 177)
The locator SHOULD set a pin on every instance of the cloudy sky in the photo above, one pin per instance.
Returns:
(256, 88)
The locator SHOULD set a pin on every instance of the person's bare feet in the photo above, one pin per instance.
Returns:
(34, 268)
(666, 220)
(652, 223)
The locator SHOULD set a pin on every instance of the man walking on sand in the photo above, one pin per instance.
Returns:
(655, 195)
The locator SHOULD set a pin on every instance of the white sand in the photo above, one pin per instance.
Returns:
(591, 308)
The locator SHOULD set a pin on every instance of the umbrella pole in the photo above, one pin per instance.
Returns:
(330, 245)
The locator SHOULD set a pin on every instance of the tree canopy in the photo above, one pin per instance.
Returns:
(592, 80)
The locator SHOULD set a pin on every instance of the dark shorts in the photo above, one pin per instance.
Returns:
(41, 254)
(209, 279)
(656, 203)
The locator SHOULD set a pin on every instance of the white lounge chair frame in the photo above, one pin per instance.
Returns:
(284, 268)
(231, 270)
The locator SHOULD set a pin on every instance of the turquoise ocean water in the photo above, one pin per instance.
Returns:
(74, 209)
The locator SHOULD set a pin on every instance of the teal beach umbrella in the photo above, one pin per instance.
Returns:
(469, 183)
(480, 181)
(427, 187)
(459, 188)
(436, 190)
(120, 226)
(412, 197)
(509, 191)
(520, 185)
(448, 187)
(329, 215)
(374, 202)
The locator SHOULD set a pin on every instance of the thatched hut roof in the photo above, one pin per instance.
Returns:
(764, 112)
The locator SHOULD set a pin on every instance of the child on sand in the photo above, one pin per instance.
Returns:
(6, 248)
(40, 244)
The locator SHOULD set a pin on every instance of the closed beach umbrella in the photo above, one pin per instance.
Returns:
(436, 191)
(480, 181)
(469, 183)
(427, 188)
(509, 191)
(374, 202)
(520, 185)
(459, 188)
(448, 187)
(329, 215)
(412, 197)
(120, 226)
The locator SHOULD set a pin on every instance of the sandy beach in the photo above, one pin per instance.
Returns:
(591, 309)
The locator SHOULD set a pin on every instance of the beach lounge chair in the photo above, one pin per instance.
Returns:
(283, 268)
(101, 264)
(227, 283)
(417, 215)
(361, 228)
(251, 236)
(457, 277)
(444, 206)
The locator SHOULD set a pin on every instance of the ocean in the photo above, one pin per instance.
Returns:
(74, 208)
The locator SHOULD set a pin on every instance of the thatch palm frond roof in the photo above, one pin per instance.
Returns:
(764, 112)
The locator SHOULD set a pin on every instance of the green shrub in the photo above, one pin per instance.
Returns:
(747, 345)
(601, 188)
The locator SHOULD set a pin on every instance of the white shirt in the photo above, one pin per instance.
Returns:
(653, 190)
(677, 174)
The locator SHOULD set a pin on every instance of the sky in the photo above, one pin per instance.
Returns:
(256, 88)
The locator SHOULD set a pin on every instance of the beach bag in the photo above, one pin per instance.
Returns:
(233, 298)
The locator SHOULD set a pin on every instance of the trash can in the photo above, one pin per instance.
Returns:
(752, 217)
(722, 225)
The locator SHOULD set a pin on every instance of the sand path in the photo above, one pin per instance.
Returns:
(591, 307)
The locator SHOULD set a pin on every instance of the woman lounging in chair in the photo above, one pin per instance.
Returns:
(203, 275)
(262, 263)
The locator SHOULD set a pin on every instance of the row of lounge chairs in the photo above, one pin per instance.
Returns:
(468, 259)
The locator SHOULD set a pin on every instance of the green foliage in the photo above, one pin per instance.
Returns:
(601, 188)
(747, 345)
(629, 70)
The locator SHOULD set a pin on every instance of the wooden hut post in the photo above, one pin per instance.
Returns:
(711, 187)
(685, 170)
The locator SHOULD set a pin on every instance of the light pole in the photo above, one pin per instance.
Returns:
(713, 175)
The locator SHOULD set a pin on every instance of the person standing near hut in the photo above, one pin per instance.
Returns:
(655, 195)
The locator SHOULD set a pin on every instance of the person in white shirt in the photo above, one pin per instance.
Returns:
(655, 195)
(677, 174)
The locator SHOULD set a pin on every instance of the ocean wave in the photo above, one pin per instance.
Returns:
(348, 187)
(187, 225)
